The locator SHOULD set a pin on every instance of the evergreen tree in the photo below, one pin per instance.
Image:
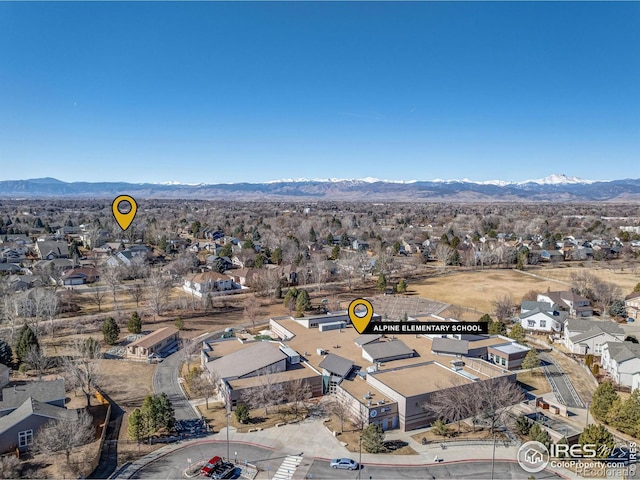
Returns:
(179, 323)
(335, 252)
(110, 331)
(276, 256)
(497, 328)
(539, 434)
(618, 308)
(135, 323)
(290, 299)
(602, 400)
(6, 354)
(382, 283)
(562, 441)
(373, 439)
(402, 286)
(26, 340)
(532, 360)
(226, 250)
(312, 235)
(628, 419)
(136, 427)
(344, 240)
(597, 435)
(303, 302)
(242, 413)
(517, 333)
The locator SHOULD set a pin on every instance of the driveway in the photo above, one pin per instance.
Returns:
(165, 379)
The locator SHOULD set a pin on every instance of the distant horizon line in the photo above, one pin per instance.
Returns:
(553, 179)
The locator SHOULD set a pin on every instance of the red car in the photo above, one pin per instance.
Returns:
(207, 470)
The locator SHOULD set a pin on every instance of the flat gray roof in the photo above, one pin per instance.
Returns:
(449, 345)
(388, 349)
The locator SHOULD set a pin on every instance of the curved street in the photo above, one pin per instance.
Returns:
(174, 464)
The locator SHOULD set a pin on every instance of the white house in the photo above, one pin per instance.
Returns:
(583, 336)
(541, 317)
(200, 284)
(621, 360)
(576, 305)
(632, 304)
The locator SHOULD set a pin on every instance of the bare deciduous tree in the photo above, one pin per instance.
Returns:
(112, 276)
(65, 435)
(504, 307)
(137, 293)
(97, 297)
(456, 311)
(268, 392)
(341, 410)
(158, 291)
(36, 359)
(82, 367)
(443, 253)
(297, 392)
(251, 310)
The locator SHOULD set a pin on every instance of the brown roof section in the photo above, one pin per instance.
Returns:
(206, 277)
(154, 337)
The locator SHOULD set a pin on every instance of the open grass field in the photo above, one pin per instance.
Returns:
(626, 278)
(479, 288)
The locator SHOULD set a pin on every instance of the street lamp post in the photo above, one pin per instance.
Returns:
(360, 457)
(227, 415)
(493, 456)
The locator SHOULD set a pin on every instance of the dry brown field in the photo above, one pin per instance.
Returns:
(478, 289)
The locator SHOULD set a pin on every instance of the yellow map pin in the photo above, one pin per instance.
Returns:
(360, 321)
(124, 219)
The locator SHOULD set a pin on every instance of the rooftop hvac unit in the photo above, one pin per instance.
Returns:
(369, 403)
(380, 402)
(366, 397)
(320, 351)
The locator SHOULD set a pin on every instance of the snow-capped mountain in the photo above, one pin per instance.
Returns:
(559, 179)
(555, 188)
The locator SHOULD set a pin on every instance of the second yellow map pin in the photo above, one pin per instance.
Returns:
(124, 219)
(361, 318)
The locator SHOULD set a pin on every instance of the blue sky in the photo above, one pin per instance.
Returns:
(219, 92)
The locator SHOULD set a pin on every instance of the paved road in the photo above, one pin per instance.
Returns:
(562, 386)
(173, 465)
(165, 379)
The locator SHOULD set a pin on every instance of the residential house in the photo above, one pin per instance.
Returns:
(48, 250)
(128, 257)
(155, 342)
(200, 284)
(18, 428)
(621, 360)
(632, 304)
(576, 305)
(50, 392)
(583, 336)
(80, 276)
(551, 255)
(243, 276)
(9, 268)
(219, 263)
(360, 245)
(541, 317)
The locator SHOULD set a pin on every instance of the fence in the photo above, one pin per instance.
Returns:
(88, 465)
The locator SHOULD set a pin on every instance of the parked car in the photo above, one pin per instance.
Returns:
(217, 468)
(345, 463)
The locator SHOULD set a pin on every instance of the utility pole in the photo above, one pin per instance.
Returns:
(227, 415)
(493, 456)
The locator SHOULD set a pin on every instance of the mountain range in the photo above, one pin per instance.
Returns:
(554, 188)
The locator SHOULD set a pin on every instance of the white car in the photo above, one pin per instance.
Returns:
(346, 463)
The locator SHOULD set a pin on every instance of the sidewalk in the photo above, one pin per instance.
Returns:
(313, 440)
